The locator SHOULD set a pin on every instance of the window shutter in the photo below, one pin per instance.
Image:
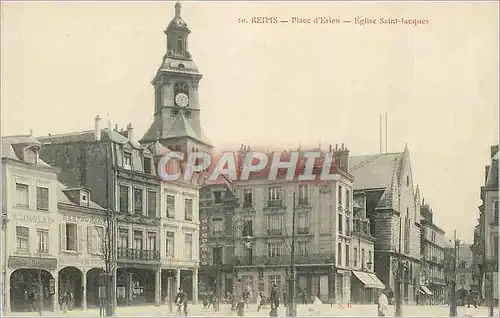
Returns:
(90, 241)
(62, 232)
(79, 238)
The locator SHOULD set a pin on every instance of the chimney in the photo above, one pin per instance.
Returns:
(97, 129)
(486, 171)
(116, 127)
(493, 151)
(130, 131)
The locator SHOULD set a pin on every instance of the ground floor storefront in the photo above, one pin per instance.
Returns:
(29, 284)
(325, 282)
(365, 287)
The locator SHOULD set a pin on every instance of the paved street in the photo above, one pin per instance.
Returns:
(303, 311)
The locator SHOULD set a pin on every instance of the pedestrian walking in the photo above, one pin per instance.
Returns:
(274, 297)
(382, 304)
(215, 303)
(259, 301)
(206, 302)
(241, 307)
(181, 301)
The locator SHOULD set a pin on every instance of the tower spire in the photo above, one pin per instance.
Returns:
(178, 7)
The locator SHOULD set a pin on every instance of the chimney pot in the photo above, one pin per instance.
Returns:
(97, 128)
(129, 131)
(342, 146)
(336, 147)
(116, 127)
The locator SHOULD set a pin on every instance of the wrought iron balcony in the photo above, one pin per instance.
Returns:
(274, 232)
(303, 201)
(137, 254)
(218, 233)
(303, 230)
(284, 259)
(274, 203)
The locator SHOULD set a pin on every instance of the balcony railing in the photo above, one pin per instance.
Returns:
(273, 232)
(303, 230)
(285, 259)
(362, 226)
(218, 233)
(137, 254)
(274, 203)
(303, 201)
(247, 204)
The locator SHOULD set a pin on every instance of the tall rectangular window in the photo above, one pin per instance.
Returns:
(152, 205)
(339, 254)
(127, 160)
(302, 248)
(151, 241)
(188, 243)
(42, 198)
(495, 248)
(347, 258)
(138, 195)
(341, 223)
(124, 199)
(123, 239)
(248, 228)
(217, 255)
(370, 258)
(22, 195)
(96, 238)
(170, 244)
(339, 195)
(247, 198)
(217, 227)
(69, 237)
(355, 257)
(303, 194)
(302, 223)
(274, 196)
(43, 240)
(217, 197)
(188, 205)
(274, 224)
(147, 165)
(22, 238)
(138, 240)
(347, 199)
(170, 206)
(363, 264)
(274, 249)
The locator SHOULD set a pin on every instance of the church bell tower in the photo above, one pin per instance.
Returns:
(177, 111)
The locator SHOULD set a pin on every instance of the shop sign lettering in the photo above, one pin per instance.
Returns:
(32, 218)
(83, 219)
(32, 262)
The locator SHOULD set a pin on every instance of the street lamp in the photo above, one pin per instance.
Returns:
(238, 224)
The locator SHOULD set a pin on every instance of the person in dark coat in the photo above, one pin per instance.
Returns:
(241, 307)
(274, 298)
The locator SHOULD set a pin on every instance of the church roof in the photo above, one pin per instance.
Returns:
(374, 171)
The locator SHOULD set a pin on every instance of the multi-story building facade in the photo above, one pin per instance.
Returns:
(29, 203)
(121, 175)
(393, 208)
(486, 248)
(364, 282)
(432, 284)
(325, 240)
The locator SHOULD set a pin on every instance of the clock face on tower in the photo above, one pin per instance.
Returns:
(181, 100)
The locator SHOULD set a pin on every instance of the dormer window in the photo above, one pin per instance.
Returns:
(31, 155)
(174, 113)
(127, 161)
(84, 198)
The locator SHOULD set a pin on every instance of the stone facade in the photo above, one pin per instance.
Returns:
(394, 213)
(432, 248)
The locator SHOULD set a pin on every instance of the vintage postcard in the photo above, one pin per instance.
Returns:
(233, 158)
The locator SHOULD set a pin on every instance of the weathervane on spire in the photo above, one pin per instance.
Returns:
(178, 7)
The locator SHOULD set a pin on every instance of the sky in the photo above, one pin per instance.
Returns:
(275, 84)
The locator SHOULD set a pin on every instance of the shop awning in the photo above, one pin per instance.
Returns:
(366, 279)
(425, 290)
(376, 281)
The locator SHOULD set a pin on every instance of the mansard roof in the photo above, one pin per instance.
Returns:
(88, 136)
(12, 144)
